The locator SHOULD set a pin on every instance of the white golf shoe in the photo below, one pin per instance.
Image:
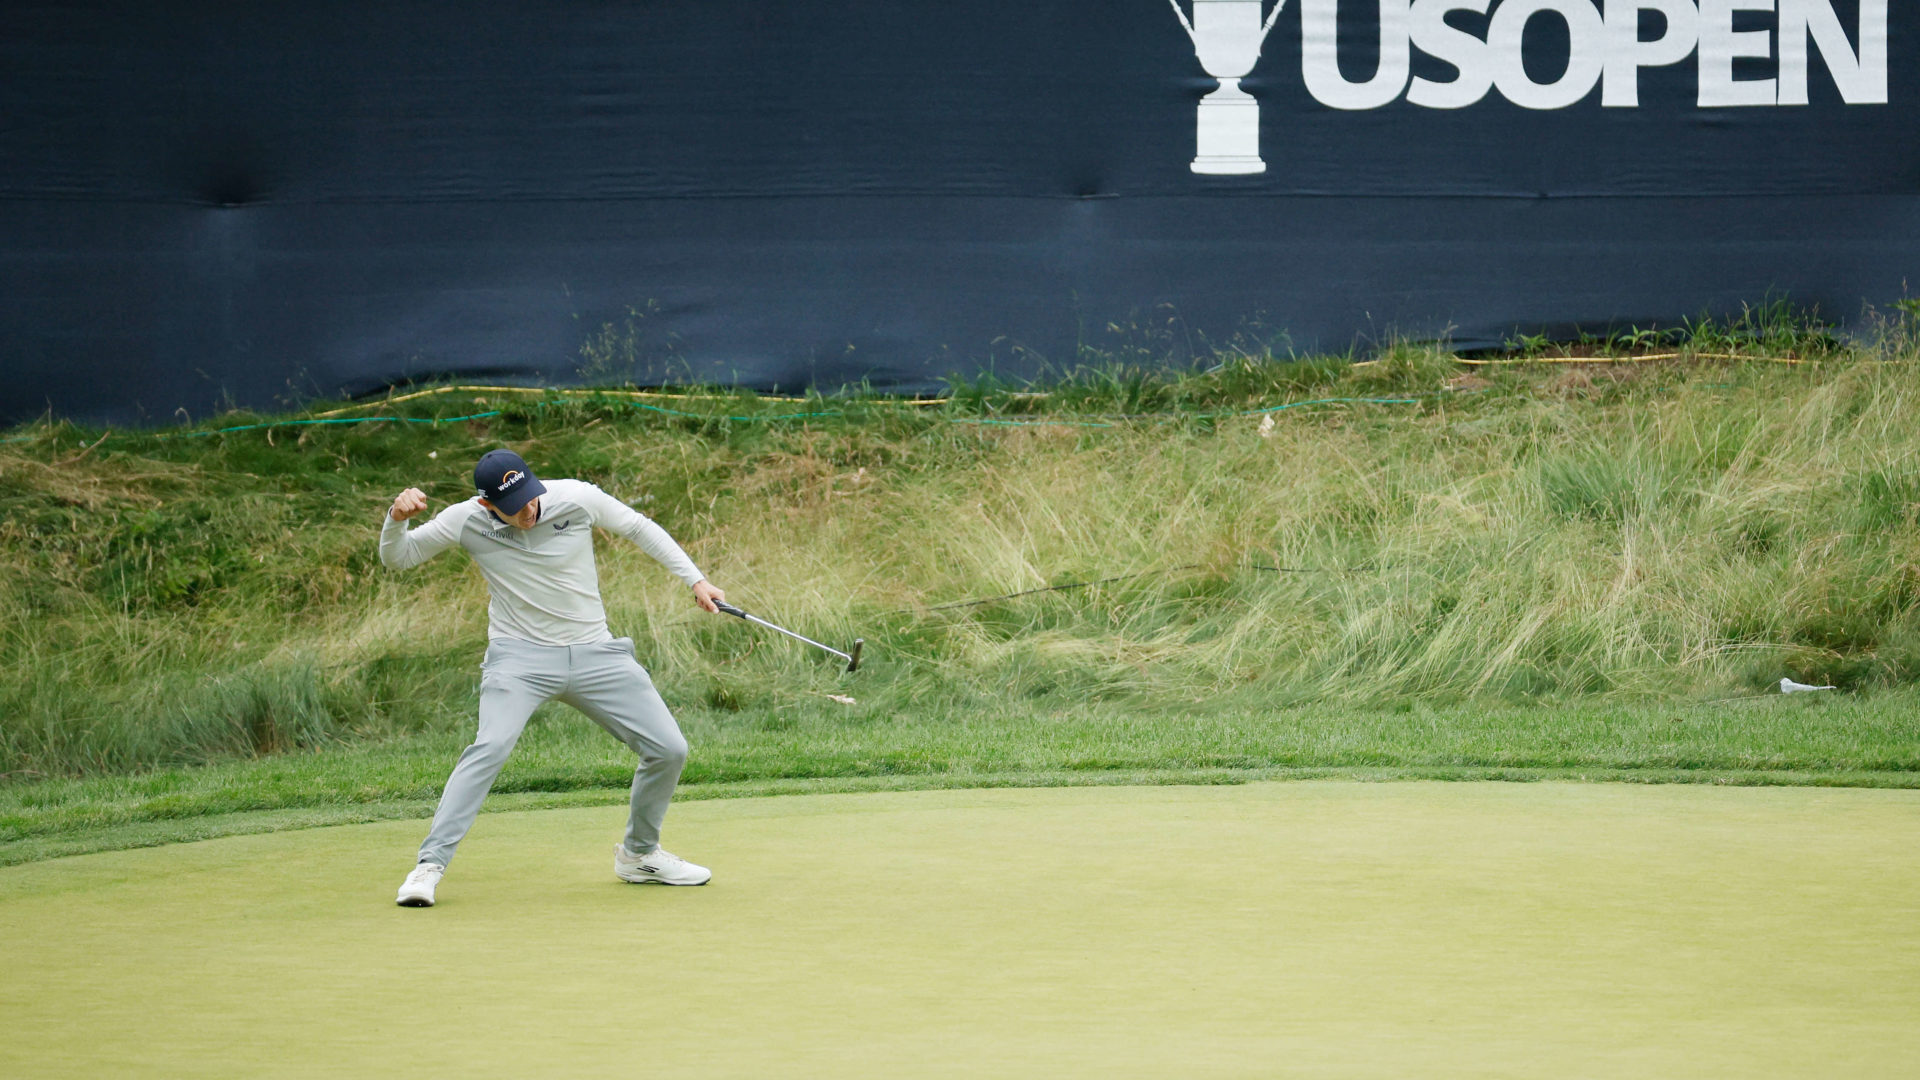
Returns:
(417, 890)
(660, 866)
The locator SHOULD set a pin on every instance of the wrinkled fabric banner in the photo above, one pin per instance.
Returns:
(207, 203)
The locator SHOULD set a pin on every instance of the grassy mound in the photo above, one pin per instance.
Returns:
(1258, 536)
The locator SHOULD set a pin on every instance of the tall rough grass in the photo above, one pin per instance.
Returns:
(1519, 533)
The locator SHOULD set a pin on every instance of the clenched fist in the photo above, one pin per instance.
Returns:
(408, 503)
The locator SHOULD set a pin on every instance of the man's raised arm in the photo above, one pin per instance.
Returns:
(401, 547)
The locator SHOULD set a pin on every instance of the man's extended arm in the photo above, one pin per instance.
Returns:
(401, 547)
(617, 517)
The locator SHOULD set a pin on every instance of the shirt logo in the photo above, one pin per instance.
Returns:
(561, 526)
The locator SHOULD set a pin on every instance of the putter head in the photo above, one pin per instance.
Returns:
(854, 664)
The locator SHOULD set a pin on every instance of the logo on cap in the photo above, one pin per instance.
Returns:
(512, 477)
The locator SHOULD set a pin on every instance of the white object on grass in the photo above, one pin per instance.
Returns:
(1788, 686)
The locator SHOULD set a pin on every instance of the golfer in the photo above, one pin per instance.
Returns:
(548, 639)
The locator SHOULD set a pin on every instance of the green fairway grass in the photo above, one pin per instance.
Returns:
(1310, 929)
(818, 745)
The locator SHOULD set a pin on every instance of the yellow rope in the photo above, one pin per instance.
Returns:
(475, 389)
(467, 388)
(1641, 359)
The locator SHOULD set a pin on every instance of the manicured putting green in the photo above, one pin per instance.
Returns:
(1304, 929)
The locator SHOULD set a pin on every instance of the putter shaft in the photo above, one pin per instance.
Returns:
(852, 659)
(796, 637)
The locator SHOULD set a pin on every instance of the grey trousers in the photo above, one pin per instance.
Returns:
(605, 682)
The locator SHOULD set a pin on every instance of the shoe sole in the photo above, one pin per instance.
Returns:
(661, 881)
(414, 901)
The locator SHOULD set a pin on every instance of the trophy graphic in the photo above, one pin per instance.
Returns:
(1227, 35)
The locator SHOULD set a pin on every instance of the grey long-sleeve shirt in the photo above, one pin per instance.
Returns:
(544, 585)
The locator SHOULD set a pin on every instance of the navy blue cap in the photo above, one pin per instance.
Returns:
(504, 480)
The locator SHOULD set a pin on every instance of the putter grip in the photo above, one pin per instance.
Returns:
(729, 609)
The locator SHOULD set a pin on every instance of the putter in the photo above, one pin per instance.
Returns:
(852, 658)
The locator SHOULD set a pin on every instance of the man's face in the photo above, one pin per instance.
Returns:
(525, 519)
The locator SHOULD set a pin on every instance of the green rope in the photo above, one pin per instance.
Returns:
(1025, 423)
(775, 418)
(337, 420)
(1334, 401)
(294, 423)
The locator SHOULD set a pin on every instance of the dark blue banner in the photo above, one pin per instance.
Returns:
(207, 202)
